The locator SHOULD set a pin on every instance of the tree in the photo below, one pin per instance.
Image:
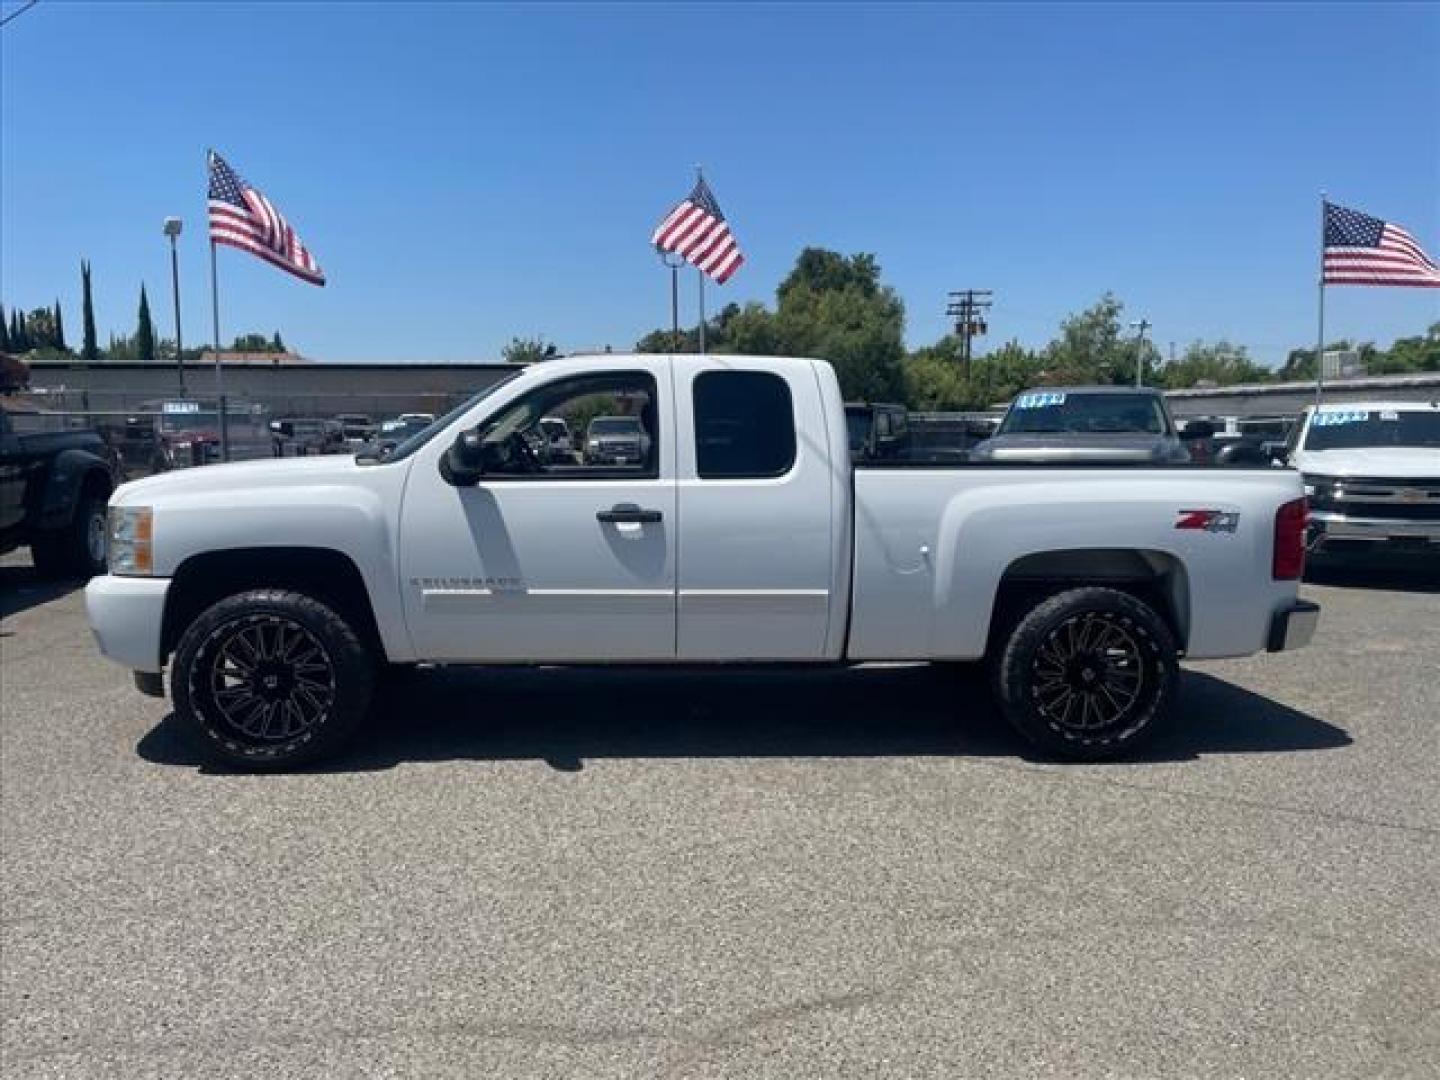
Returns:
(40, 329)
(1220, 364)
(1092, 349)
(18, 344)
(277, 343)
(144, 332)
(59, 328)
(4, 332)
(89, 353)
(528, 350)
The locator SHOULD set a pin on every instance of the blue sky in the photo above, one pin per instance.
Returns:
(466, 173)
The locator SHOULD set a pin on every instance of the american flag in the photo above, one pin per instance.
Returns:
(697, 231)
(243, 218)
(1363, 250)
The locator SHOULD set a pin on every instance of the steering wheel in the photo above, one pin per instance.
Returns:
(522, 454)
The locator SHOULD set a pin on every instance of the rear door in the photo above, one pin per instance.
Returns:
(756, 570)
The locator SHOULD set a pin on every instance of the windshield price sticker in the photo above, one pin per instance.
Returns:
(181, 407)
(1389, 414)
(1331, 417)
(1039, 401)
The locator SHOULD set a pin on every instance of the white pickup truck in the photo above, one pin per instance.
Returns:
(1372, 472)
(279, 591)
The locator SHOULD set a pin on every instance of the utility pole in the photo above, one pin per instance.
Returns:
(968, 307)
(172, 230)
(1140, 325)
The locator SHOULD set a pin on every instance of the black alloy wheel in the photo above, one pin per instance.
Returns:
(272, 679)
(1089, 673)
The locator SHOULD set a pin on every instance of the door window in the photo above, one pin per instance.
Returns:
(602, 426)
(744, 425)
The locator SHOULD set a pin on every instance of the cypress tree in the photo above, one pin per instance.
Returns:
(89, 351)
(4, 332)
(145, 332)
(60, 328)
(18, 337)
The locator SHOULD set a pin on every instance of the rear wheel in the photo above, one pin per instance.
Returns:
(1088, 674)
(78, 549)
(272, 679)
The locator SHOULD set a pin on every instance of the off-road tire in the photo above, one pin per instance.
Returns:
(1127, 648)
(71, 551)
(326, 660)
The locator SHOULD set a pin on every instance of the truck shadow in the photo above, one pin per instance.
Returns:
(564, 716)
(22, 589)
(1413, 576)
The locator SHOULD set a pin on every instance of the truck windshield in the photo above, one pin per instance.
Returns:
(1058, 412)
(1341, 429)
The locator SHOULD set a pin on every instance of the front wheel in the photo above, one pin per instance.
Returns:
(1088, 674)
(78, 549)
(272, 679)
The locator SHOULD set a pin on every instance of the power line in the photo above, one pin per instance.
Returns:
(18, 12)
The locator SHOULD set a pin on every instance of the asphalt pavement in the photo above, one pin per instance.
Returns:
(788, 874)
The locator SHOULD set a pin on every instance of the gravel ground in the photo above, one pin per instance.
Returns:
(767, 874)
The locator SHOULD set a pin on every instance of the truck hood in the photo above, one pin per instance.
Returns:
(240, 476)
(1398, 462)
(1075, 447)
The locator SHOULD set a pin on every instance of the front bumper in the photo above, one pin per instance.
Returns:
(1328, 525)
(1293, 626)
(126, 615)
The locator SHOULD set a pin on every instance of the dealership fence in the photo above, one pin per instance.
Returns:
(153, 435)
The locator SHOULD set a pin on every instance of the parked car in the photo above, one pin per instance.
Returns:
(302, 436)
(616, 440)
(357, 428)
(555, 441)
(392, 433)
(1372, 472)
(53, 491)
(273, 591)
(1086, 424)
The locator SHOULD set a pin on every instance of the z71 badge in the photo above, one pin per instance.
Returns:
(1215, 521)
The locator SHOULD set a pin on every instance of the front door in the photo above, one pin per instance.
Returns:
(556, 554)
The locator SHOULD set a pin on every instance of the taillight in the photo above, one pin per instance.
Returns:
(1290, 522)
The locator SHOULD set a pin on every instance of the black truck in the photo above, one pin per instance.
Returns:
(54, 487)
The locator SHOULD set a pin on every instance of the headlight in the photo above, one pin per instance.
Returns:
(130, 534)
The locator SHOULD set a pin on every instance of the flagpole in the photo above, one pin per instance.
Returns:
(700, 274)
(219, 368)
(1320, 337)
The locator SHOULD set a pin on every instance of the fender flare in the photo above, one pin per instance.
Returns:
(65, 480)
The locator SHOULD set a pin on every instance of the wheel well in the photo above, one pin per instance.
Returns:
(97, 483)
(328, 576)
(1153, 577)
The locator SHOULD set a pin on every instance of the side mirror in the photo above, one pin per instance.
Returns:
(1198, 429)
(464, 463)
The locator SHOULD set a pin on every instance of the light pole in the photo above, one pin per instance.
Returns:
(1140, 326)
(172, 230)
